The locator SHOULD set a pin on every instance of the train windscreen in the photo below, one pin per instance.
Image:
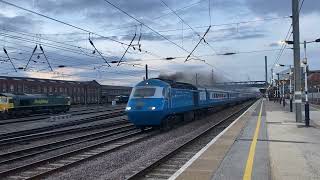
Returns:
(3, 100)
(144, 92)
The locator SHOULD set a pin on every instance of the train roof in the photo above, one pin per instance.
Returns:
(178, 85)
(22, 95)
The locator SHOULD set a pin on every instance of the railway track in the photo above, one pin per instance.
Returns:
(44, 167)
(21, 154)
(38, 115)
(15, 134)
(48, 134)
(168, 164)
(45, 116)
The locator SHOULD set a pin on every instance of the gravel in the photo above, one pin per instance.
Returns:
(20, 126)
(59, 151)
(32, 143)
(118, 164)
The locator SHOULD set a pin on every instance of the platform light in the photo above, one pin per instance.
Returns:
(128, 108)
(152, 108)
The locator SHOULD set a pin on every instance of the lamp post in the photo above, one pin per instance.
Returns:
(290, 84)
(278, 90)
(283, 97)
(297, 71)
(318, 95)
(306, 106)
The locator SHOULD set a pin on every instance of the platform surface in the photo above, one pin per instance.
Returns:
(264, 143)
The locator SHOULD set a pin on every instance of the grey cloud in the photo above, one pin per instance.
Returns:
(21, 23)
(280, 7)
(101, 9)
(147, 37)
(250, 36)
(274, 44)
(245, 32)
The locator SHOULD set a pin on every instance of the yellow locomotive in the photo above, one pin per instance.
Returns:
(15, 104)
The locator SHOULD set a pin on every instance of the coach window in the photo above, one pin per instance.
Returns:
(19, 88)
(11, 88)
(4, 88)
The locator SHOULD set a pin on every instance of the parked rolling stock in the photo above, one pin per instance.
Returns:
(153, 101)
(15, 104)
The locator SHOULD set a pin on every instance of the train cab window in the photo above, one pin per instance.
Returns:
(144, 92)
(10, 100)
(3, 100)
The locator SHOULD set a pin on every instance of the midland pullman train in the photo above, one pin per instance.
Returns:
(152, 102)
(21, 104)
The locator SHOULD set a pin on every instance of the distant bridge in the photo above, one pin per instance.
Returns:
(243, 84)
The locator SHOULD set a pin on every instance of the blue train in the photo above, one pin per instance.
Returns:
(154, 101)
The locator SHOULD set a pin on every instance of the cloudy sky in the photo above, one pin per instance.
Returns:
(250, 28)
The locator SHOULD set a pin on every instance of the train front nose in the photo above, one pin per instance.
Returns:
(145, 111)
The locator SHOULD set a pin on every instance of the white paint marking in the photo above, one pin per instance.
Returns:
(196, 156)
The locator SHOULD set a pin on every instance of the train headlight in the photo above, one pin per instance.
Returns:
(128, 108)
(152, 108)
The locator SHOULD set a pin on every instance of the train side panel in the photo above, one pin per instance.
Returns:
(182, 100)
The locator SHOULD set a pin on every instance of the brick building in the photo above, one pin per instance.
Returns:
(81, 92)
(108, 93)
(85, 92)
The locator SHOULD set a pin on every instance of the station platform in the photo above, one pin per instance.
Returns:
(265, 142)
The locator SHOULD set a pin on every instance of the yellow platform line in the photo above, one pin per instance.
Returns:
(248, 171)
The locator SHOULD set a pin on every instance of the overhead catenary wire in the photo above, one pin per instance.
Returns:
(78, 65)
(161, 16)
(24, 39)
(135, 34)
(126, 13)
(71, 58)
(86, 68)
(99, 52)
(59, 21)
(66, 45)
(5, 51)
(153, 30)
(59, 48)
(230, 24)
(284, 45)
(44, 54)
(202, 38)
(62, 22)
(189, 26)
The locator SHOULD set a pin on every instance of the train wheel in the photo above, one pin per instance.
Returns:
(5, 115)
(142, 128)
(165, 124)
